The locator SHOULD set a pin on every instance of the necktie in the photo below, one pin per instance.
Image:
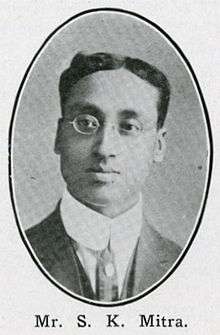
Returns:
(106, 276)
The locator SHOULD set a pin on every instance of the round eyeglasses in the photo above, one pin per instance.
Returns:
(88, 124)
(85, 124)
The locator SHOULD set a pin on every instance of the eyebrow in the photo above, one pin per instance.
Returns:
(129, 113)
(87, 108)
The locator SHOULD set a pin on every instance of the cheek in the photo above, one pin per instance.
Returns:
(139, 158)
(74, 158)
(75, 151)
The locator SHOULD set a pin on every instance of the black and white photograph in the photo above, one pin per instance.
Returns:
(110, 165)
(110, 157)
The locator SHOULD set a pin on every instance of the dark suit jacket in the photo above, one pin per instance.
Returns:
(153, 257)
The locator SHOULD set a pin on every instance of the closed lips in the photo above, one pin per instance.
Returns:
(101, 170)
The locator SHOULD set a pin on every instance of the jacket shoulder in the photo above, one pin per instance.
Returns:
(43, 230)
(167, 250)
(45, 236)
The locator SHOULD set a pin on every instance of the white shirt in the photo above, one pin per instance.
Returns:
(92, 231)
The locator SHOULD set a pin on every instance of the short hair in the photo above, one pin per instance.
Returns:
(83, 65)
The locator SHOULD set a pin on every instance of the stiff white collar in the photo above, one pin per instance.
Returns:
(94, 230)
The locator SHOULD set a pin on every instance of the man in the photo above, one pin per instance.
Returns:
(96, 243)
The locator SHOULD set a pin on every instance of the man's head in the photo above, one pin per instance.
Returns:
(111, 130)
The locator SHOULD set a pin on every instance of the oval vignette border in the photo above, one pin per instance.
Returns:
(205, 111)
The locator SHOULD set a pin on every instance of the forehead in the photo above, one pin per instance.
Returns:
(114, 90)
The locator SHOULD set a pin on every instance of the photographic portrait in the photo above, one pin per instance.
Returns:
(110, 157)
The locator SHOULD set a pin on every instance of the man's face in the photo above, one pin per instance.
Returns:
(108, 164)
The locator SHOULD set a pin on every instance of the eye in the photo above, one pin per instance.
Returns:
(85, 124)
(131, 127)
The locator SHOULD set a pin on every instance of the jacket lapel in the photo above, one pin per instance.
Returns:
(148, 261)
(65, 266)
(148, 265)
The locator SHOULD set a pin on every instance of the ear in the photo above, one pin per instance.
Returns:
(160, 145)
(58, 138)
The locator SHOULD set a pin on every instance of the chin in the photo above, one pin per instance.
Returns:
(102, 198)
(102, 194)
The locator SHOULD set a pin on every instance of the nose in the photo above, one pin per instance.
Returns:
(106, 142)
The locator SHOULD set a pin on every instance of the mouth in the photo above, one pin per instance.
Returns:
(100, 176)
(101, 170)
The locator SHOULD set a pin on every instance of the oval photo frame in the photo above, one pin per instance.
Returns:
(178, 188)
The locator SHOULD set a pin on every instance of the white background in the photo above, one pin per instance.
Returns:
(192, 291)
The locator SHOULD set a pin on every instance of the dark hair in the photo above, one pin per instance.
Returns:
(83, 65)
